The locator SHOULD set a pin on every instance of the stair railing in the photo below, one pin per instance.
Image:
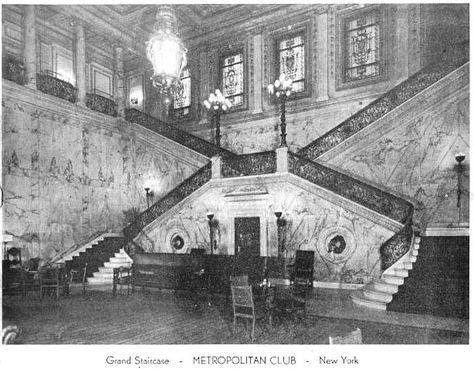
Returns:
(172, 198)
(353, 189)
(184, 138)
(77, 246)
(448, 62)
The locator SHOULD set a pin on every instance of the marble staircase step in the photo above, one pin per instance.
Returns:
(371, 294)
(393, 279)
(400, 272)
(359, 299)
(384, 286)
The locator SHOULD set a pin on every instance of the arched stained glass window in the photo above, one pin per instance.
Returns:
(291, 58)
(182, 97)
(232, 77)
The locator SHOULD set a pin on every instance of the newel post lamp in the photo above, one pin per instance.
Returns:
(217, 104)
(281, 89)
(166, 52)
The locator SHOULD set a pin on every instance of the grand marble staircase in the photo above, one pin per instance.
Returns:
(101, 255)
(379, 292)
(104, 276)
(399, 255)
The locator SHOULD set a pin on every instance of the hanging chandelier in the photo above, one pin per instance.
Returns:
(166, 51)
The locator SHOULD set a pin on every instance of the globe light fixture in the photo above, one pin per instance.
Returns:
(217, 104)
(166, 52)
(281, 89)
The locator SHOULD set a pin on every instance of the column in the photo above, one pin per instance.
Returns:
(80, 61)
(322, 57)
(30, 45)
(119, 82)
(203, 81)
(257, 74)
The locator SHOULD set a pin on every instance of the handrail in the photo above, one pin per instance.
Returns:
(171, 199)
(77, 246)
(249, 164)
(184, 138)
(353, 189)
(386, 103)
(397, 246)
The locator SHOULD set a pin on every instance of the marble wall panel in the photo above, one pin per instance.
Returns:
(66, 179)
(302, 127)
(311, 218)
(417, 159)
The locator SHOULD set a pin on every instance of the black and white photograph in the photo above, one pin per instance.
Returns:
(227, 174)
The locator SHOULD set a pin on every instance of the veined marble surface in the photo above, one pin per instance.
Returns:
(67, 177)
(312, 221)
(415, 156)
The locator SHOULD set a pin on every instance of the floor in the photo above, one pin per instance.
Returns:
(163, 317)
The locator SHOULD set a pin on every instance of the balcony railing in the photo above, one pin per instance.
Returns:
(101, 104)
(52, 85)
(182, 137)
(13, 69)
(362, 193)
(249, 164)
(383, 105)
(178, 194)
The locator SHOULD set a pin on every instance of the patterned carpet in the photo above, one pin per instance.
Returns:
(166, 318)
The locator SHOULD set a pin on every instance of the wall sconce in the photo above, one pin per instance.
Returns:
(281, 223)
(212, 224)
(148, 195)
(459, 168)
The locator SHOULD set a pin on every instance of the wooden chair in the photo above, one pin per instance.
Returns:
(244, 307)
(352, 338)
(78, 275)
(53, 279)
(303, 268)
(292, 302)
(122, 276)
(13, 279)
(239, 280)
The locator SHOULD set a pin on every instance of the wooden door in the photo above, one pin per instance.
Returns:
(247, 246)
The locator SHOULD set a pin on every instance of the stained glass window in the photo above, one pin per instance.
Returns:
(182, 97)
(232, 75)
(362, 47)
(291, 60)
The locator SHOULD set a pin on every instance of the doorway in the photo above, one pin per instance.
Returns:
(247, 246)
